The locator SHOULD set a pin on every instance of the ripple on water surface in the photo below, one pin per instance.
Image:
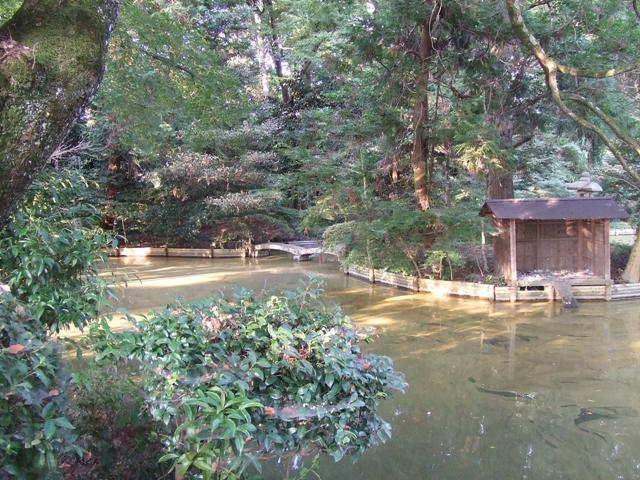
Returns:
(496, 391)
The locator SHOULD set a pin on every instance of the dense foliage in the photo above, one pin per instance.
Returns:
(385, 122)
(243, 379)
(49, 258)
(50, 253)
(119, 438)
(34, 424)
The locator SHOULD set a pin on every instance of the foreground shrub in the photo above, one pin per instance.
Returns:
(121, 441)
(620, 254)
(34, 428)
(51, 251)
(239, 380)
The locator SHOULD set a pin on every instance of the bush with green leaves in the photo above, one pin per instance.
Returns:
(50, 253)
(242, 379)
(384, 234)
(620, 254)
(442, 259)
(121, 439)
(34, 428)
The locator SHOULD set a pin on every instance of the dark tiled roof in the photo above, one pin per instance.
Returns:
(576, 208)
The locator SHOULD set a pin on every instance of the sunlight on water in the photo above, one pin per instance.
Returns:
(496, 391)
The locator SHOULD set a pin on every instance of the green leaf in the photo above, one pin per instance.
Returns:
(168, 457)
(202, 465)
(329, 379)
(64, 423)
(49, 429)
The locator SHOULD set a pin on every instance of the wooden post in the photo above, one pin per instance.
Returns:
(607, 252)
(485, 264)
(581, 264)
(512, 251)
(550, 292)
(594, 246)
(538, 244)
(512, 260)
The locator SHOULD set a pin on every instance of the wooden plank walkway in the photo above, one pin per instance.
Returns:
(301, 250)
(565, 293)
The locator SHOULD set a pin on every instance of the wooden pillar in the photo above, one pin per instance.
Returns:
(594, 247)
(550, 292)
(607, 252)
(512, 251)
(512, 260)
(538, 244)
(580, 265)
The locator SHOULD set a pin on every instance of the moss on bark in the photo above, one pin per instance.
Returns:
(51, 62)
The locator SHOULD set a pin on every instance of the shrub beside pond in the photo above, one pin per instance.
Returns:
(120, 439)
(241, 380)
(34, 428)
(50, 252)
(620, 253)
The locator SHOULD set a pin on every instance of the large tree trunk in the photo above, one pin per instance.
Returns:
(420, 120)
(51, 62)
(499, 184)
(261, 56)
(277, 52)
(632, 270)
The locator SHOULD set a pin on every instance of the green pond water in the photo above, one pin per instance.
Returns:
(496, 391)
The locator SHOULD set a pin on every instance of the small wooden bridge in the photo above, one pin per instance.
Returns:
(301, 250)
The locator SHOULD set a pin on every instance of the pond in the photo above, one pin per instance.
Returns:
(496, 391)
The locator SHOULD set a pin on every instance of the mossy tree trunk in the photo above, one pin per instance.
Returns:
(51, 62)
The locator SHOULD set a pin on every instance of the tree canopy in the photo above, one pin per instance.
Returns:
(228, 122)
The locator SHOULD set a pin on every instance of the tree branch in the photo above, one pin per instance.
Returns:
(166, 61)
(532, 43)
(580, 72)
(539, 4)
(458, 93)
(522, 141)
(551, 69)
(608, 121)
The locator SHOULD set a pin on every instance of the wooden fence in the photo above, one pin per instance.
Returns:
(493, 292)
(177, 252)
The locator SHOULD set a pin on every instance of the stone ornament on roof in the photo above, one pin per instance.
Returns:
(585, 186)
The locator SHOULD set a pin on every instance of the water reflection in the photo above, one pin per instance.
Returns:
(496, 391)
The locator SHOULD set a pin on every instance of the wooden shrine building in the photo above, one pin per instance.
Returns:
(556, 236)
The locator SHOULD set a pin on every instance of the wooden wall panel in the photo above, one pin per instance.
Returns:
(572, 246)
(501, 265)
(598, 248)
(558, 244)
(527, 245)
